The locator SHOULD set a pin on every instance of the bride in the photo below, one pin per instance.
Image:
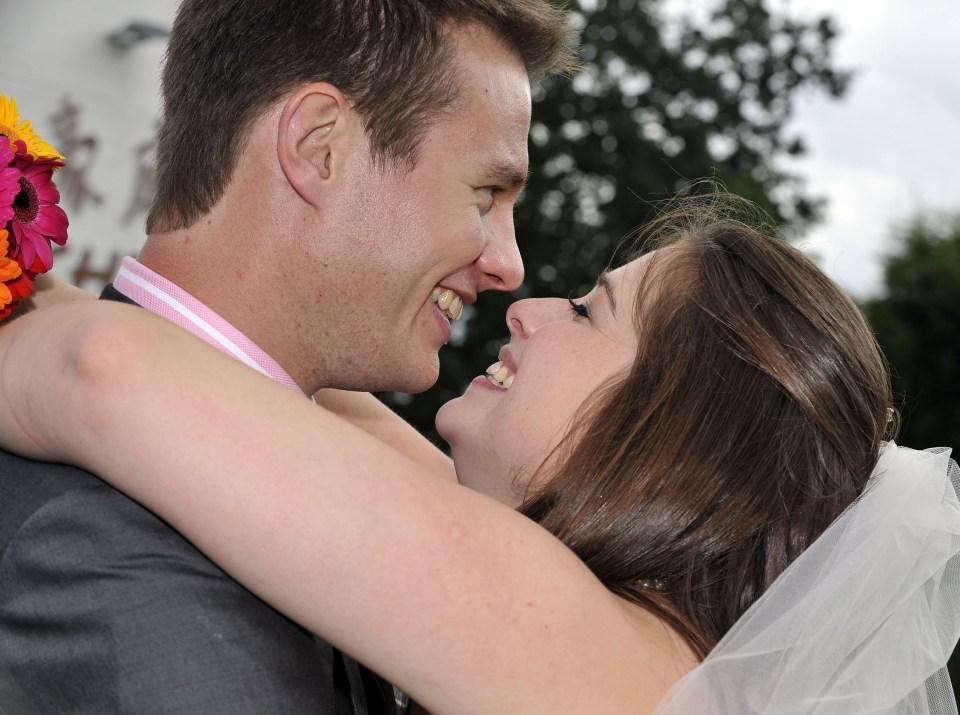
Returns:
(650, 509)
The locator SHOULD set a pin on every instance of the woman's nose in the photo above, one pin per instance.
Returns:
(526, 316)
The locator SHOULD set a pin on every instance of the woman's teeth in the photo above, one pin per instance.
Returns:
(500, 375)
(448, 302)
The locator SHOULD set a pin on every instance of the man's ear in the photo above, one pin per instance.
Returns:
(311, 134)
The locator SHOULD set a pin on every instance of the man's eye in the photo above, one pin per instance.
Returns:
(491, 192)
(578, 308)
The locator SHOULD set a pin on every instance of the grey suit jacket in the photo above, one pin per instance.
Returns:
(104, 608)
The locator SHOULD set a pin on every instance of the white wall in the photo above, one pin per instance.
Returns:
(57, 51)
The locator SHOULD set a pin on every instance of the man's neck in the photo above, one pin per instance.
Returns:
(175, 292)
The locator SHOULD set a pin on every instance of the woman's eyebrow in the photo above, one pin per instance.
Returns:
(604, 283)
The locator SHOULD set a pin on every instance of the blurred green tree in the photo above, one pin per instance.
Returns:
(917, 325)
(665, 97)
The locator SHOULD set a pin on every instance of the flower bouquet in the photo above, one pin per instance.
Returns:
(29, 215)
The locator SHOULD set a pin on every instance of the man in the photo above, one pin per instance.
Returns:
(335, 179)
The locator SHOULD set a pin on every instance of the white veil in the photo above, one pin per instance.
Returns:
(863, 622)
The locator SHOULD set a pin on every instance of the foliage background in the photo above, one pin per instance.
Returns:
(916, 321)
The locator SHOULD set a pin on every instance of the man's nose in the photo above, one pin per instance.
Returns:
(500, 264)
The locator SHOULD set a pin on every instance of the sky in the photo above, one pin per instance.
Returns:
(890, 149)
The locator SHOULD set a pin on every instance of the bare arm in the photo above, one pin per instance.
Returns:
(51, 290)
(365, 411)
(463, 603)
(359, 408)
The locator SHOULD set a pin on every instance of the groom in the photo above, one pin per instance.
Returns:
(323, 167)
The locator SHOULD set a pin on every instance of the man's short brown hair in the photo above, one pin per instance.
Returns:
(228, 60)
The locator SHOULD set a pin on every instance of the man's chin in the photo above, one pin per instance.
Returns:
(416, 378)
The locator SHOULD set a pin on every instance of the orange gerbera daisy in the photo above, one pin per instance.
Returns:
(9, 273)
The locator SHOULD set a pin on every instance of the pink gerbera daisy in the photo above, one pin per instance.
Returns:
(9, 182)
(37, 220)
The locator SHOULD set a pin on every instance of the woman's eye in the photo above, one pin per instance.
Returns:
(579, 308)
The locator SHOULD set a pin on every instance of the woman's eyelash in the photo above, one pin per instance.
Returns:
(578, 308)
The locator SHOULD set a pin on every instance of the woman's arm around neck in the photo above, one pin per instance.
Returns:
(462, 602)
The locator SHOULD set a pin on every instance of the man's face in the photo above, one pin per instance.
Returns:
(446, 224)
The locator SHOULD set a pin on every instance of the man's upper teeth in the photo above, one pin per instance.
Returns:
(448, 302)
(500, 375)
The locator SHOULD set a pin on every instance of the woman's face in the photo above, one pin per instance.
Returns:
(501, 429)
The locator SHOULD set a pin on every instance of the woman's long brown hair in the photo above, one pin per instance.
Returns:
(751, 417)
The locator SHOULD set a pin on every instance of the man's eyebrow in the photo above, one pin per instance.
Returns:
(507, 176)
(604, 283)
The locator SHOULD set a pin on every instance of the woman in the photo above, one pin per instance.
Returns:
(671, 444)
